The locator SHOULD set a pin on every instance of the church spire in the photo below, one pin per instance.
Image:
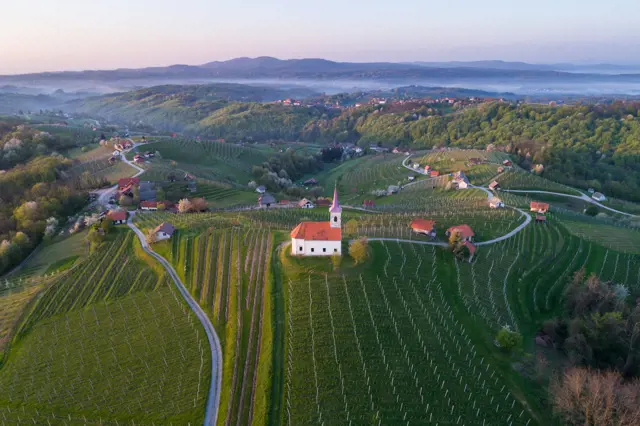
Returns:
(335, 206)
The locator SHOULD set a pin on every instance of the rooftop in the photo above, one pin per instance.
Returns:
(316, 231)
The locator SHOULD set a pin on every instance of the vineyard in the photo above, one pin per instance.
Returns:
(228, 272)
(107, 342)
(455, 160)
(519, 179)
(386, 345)
(212, 160)
(357, 178)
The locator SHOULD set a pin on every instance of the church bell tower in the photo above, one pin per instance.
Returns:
(335, 211)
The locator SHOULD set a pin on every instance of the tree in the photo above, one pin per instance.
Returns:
(136, 194)
(106, 225)
(509, 340)
(336, 260)
(125, 200)
(95, 237)
(185, 206)
(583, 396)
(21, 239)
(351, 227)
(591, 210)
(359, 249)
(160, 194)
(199, 204)
(151, 236)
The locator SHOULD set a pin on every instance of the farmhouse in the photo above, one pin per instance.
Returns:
(266, 200)
(494, 186)
(261, 189)
(305, 204)
(500, 169)
(539, 207)
(164, 231)
(138, 159)
(154, 205)
(427, 168)
(126, 183)
(461, 181)
(423, 226)
(117, 216)
(465, 231)
(434, 173)
(598, 196)
(495, 203)
(507, 163)
(319, 238)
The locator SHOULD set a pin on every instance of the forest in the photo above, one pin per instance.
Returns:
(587, 146)
(35, 192)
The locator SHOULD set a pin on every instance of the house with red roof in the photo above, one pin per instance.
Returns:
(423, 226)
(117, 216)
(125, 183)
(539, 207)
(465, 231)
(319, 238)
(434, 173)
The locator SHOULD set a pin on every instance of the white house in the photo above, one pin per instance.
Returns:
(164, 231)
(319, 238)
(305, 204)
(598, 196)
(261, 189)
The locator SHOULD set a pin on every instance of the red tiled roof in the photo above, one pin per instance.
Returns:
(318, 231)
(434, 173)
(422, 225)
(117, 215)
(124, 182)
(465, 230)
(535, 205)
(149, 204)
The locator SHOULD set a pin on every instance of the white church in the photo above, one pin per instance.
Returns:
(319, 238)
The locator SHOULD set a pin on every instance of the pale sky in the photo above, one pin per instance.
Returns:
(54, 35)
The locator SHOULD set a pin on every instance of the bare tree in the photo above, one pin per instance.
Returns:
(589, 397)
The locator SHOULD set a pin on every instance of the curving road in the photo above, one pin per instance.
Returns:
(105, 194)
(583, 197)
(510, 234)
(213, 401)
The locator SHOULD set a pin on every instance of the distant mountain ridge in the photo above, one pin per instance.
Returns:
(314, 68)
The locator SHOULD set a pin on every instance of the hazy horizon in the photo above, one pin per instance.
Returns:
(61, 35)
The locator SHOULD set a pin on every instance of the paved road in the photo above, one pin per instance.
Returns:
(583, 197)
(213, 401)
(105, 194)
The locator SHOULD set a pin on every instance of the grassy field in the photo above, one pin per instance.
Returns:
(108, 342)
(60, 249)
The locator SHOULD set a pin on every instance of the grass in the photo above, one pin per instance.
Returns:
(56, 252)
(109, 341)
(61, 265)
